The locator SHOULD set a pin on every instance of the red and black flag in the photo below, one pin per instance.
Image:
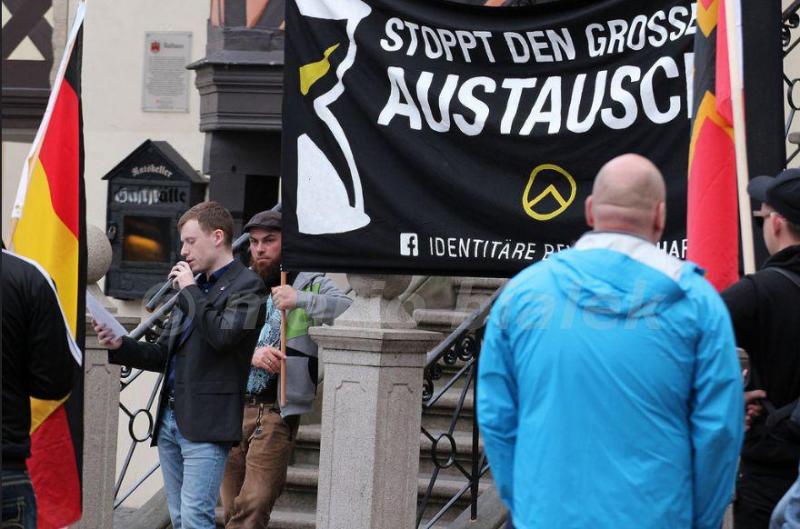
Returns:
(712, 217)
(49, 227)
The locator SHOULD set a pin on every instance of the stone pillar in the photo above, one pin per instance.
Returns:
(371, 411)
(101, 385)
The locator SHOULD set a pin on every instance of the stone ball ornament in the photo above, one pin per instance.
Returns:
(98, 254)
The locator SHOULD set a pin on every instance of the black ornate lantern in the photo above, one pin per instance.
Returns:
(148, 191)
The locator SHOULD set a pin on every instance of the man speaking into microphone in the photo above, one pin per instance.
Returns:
(204, 354)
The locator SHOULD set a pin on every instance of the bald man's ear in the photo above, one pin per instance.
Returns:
(661, 218)
(588, 211)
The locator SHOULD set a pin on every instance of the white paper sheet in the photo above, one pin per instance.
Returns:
(101, 315)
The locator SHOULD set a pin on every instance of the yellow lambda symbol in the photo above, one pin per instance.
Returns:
(551, 190)
(313, 72)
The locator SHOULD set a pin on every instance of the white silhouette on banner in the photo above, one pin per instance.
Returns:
(322, 202)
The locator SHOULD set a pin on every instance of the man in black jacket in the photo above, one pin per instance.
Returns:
(205, 357)
(37, 362)
(765, 310)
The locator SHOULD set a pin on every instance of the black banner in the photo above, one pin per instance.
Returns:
(433, 137)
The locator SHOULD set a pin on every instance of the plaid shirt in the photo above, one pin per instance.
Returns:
(259, 379)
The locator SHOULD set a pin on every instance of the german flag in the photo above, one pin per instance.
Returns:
(712, 219)
(48, 226)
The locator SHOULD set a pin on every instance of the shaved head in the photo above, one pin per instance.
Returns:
(629, 196)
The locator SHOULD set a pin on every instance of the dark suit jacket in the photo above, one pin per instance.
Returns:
(213, 356)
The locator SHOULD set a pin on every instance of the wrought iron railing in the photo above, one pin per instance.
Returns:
(137, 436)
(128, 377)
(790, 40)
(459, 353)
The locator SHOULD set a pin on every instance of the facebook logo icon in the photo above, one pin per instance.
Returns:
(409, 244)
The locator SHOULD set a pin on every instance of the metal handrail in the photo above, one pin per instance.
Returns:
(473, 321)
(135, 486)
(461, 345)
(128, 377)
(790, 10)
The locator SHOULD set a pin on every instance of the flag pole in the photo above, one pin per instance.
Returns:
(12, 228)
(734, 36)
(9, 244)
(283, 347)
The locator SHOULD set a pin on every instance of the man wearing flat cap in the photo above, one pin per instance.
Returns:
(255, 472)
(765, 310)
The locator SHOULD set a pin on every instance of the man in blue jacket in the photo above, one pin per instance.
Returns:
(609, 392)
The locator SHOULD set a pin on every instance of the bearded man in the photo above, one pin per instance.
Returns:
(255, 472)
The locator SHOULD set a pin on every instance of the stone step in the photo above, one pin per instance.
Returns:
(299, 520)
(306, 452)
(306, 449)
(449, 400)
(292, 520)
(280, 519)
(300, 493)
(463, 458)
(439, 416)
(309, 436)
(448, 371)
(440, 320)
(444, 489)
(295, 520)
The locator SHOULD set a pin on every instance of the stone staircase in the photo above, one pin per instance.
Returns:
(296, 508)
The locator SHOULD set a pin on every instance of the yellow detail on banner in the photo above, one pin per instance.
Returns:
(528, 203)
(42, 236)
(42, 409)
(313, 72)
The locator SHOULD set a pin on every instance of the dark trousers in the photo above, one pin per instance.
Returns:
(19, 503)
(756, 497)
